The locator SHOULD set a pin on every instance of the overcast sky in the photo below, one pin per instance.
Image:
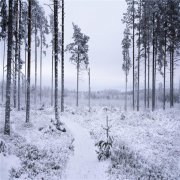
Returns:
(101, 20)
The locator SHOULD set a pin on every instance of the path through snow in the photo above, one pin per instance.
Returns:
(84, 164)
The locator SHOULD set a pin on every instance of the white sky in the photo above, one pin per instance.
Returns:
(101, 20)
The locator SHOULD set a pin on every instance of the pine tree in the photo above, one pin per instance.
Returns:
(29, 62)
(129, 19)
(79, 53)
(9, 59)
(126, 42)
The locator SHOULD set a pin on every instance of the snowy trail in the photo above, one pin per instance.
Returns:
(84, 164)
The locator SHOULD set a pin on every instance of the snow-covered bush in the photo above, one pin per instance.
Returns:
(3, 148)
(123, 116)
(104, 149)
(133, 165)
(105, 146)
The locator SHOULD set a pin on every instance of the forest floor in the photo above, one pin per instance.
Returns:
(145, 145)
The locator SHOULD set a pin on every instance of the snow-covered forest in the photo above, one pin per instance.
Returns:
(52, 128)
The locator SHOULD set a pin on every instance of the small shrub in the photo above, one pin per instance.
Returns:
(104, 149)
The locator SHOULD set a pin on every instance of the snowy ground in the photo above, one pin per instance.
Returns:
(84, 164)
(42, 150)
(146, 145)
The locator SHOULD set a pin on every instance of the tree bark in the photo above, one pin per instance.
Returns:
(164, 92)
(62, 61)
(145, 65)
(56, 60)
(148, 93)
(29, 64)
(139, 54)
(77, 92)
(8, 81)
(52, 76)
(16, 55)
(89, 101)
(153, 68)
(35, 90)
(133, 56)
(41, 69)
(19, 60)
(4, 54)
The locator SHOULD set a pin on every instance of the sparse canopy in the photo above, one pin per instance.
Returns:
(79, 48)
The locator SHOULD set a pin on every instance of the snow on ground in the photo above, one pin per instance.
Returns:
(42, 149)
(146, 144)
(84, 165)
(7, 162)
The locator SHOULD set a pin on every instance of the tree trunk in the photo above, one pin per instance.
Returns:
(56, 60)
(41, 70)
(25, 55)
(77, 92)
(170, 96)
(52, 76)
(16, 54)
(148, 93)
(62, 61)
(19, 60)
(4, 54)
(126, 95)
(89, 97)
(145, 65)
(172, 103)
(164, 92)
(133, 56)
(29, 64)
(8, 81)
(153, 69)
(139, 54)
(35, 90)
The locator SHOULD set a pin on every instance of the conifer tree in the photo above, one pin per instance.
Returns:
(79, 53)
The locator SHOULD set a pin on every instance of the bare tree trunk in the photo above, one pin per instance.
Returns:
(62, 61)
(164, 93)
(8, 81)
(145, 65)
(139, 56)
(89, 102)
(4, 54)
(25, 55)
(56, 60)
(35, 91)
(16, 54)
(148, 96)
(153, 69)
(52, 76)
(29, 64)
(172, 103)
(170, 96)
(41, 71)
(77, 92)
(126, 94)
(133, 56)
(19, 60)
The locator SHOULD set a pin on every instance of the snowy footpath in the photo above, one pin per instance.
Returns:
(84, 163)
